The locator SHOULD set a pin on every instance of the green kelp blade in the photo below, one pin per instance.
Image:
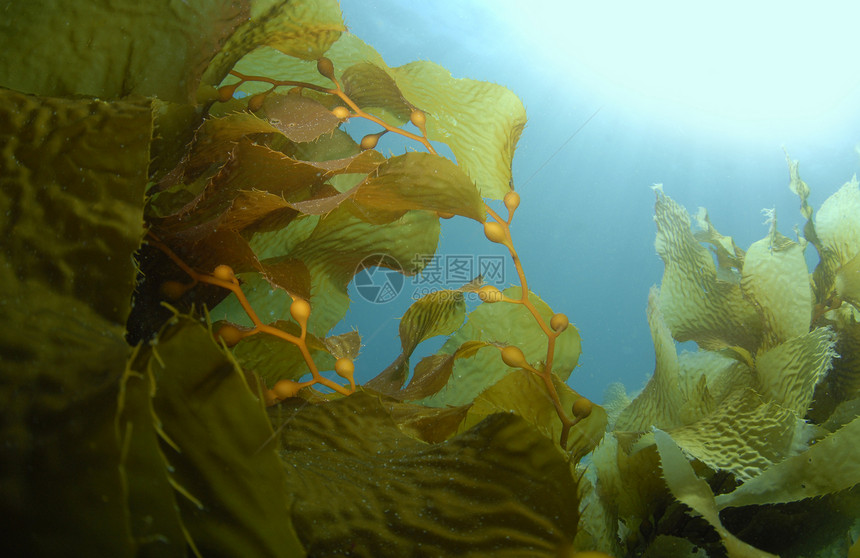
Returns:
(847, 281)
(369, 87)
(304, 29)
(499, 489)
(76, 205)
(836, 226)
(428, 424)
(157, 49)
(232, 490)
(836, 222)
(57, 425)
(843, 381)
(153, 513)
(217, 137)
(744, 435)
(661, 401)
(788, 373)
(421, 181)
(525, 395)
(344, 345)
(299, 118)
(694, 492)
(830, 465)
(432, 373)
(342, 245)
(437, 313)
(430, 376)
(288, 274)
(333, 248)
(730, 258)
(696, 305)
(251, 166)
(506, 324)
(72, 182)
(775, 279)
(481, 122)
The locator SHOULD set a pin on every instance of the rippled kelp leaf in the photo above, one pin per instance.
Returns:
(428, 424)
(830, 465)
(437, 313)
(660, 402)
(843, 381)
(708, 378)
(216, 438)
(481, 122)
(503, 323)
(694, 492)
(788, 373)
(729, 257)
(525, 395)
(155, 49)
(628, 487)
(421, 181)
(73, 177)
(153, 514)
(71, 208)
(56, 421)
(298, 117)
(744, 435)
(302, 28)
(837, 227)
(249, 167)
(341, 242)
(432, 373)
(333, 249)
(500, 488)
(370, 87)
(776, 280)
(848, 281)
(597, 525)
(837, 222)
(217, 137)
(695, 304)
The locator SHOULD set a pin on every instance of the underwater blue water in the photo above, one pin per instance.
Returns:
(585, 229)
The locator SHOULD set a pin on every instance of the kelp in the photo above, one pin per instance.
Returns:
(499, 488)
(217, 131)
(829, 466)
(483, 141)
(694, 492)
(159, 49)
(172, 434)
(493, 324)
(232, 491)
(772, 346)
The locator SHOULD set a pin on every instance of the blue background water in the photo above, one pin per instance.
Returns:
(585, 229)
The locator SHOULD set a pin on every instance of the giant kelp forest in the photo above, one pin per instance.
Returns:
(183, 207)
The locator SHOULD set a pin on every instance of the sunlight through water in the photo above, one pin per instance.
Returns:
(753, 62)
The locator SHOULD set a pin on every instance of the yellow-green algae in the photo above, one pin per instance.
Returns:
(167, 449)
(775, 350)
